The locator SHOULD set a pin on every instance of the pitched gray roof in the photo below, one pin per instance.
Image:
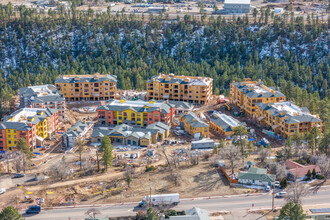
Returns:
(242, 87)
(194, 121)
(304, 116)
(76, 129)
(66, 79)
(112, 106)
(24, 126)
(226, 126)
(256, 174)
(179, 104)
(203, 81)
(124, 130)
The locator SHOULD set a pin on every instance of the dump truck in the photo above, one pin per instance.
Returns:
(162, 199)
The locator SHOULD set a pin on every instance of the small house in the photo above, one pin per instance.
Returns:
(256, 176)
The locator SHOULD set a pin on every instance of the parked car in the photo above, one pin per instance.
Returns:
(267, 188)
(34, 209)
(277, 184)
(280, 194)
(2, 190)
(19, 175)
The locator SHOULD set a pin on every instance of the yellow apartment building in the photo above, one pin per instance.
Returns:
(286, 118)
(192, 89)
(87, 87)
(248, 93)
(194, 125)
(138, 112)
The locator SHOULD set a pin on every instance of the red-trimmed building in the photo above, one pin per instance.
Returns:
(142, 113)
(33, 124)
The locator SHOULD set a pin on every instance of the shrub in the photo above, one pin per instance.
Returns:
(319, 177)
(150, 168)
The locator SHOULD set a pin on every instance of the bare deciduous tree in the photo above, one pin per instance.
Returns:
(92, 212)
(295, 192)
(175, 177)
(263, 154)
(193, 157)
(233, 154)
(324, 163)
(279, 170)
(166, 157)
(18, 161)
(61, 170)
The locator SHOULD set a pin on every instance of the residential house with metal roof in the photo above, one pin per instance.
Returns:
(135, 136)
(224, 124)
(248, 93)
(286, 118)
(78, 130)
(33, 124)
(195, 126)
(42, 96)
(256, 176)
(192, 89)
(95, 87)
(141, 113)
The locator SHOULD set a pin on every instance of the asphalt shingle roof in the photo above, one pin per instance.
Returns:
(303, 116)
(256, 174)
(112, 106)
(86, 78)
(124, 130)
(194, 121)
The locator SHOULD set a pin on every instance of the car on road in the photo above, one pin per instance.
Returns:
(267, 188)
(19, 175)
(280, 194)
(2, 190)
(34, 209)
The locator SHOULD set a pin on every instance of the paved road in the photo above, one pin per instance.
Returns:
(216, 204)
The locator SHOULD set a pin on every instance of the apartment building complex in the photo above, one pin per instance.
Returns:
(87, 87)
(43, 96)
(129, 135)
(33, 124)
(224, 124)
(248, 93)
(195, 126)
(142, 113)
(286, 118)
(192, 89)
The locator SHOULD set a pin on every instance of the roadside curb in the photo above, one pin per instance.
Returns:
(131, 203)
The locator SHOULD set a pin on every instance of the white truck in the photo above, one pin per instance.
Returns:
(162, 199)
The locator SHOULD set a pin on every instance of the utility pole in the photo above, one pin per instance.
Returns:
(121, 190)
(150, 197)
(273, 197)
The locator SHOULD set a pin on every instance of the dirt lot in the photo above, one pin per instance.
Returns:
(195, 181)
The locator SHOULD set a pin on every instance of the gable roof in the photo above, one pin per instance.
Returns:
(85, 78)
(226, 122)
(125, 130)
(137, 106)
(194, 121)
(299, 170)
(290, 112)
(76, 129)
(256, 174)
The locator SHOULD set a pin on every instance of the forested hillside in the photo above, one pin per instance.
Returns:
(286, 52)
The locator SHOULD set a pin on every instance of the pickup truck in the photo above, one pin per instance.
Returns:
(34, 209)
